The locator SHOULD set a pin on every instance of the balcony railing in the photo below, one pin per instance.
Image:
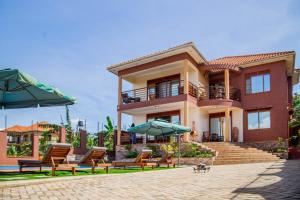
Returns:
(176, 88)
(218, 92)
(161, 90)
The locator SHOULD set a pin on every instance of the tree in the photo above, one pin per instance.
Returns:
(295, 122)
(91, 142)
(44, 140)
(109, 134)
(68, 126)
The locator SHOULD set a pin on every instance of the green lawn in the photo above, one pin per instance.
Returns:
(12, 176)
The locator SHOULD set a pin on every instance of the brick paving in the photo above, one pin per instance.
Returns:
(277, 180)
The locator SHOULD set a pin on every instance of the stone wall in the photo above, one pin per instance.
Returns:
(265, 146)
(121, 152)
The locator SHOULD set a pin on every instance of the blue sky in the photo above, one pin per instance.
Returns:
(69, 44)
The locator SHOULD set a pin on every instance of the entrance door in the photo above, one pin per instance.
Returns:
(217, 129)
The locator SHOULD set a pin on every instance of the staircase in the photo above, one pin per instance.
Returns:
(236, 153)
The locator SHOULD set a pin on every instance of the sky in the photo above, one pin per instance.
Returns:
(69, 44)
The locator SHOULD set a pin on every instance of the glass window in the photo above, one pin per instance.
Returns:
(248, 86)
(175, 88)
(253, 120)
(258, 83)
(175, 119)
(258, 120)
(266, 82)
(264, 119)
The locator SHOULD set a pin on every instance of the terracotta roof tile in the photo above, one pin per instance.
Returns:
(233, 62)
(20, 129)
(244, 59)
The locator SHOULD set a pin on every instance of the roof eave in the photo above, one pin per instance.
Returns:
(186, 48)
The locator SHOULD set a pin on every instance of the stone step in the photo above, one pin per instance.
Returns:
(246, 156)
(235, 153)
(239, 162)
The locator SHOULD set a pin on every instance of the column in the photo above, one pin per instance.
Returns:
(186, 120)
(227, 111)
(119, 112)
(186, 78)
(227, 125)
(226, 80)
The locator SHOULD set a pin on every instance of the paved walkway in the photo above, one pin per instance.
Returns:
(279, 180)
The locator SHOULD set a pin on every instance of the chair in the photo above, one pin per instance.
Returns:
(126, 98)
(142, 160)
(206, 136)
(167, 159)
(95, 158)
(55, 157)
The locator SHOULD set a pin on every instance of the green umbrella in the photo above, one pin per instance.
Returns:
(20, 90)
(160, 128)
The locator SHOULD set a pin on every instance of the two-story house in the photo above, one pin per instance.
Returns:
(246, 98)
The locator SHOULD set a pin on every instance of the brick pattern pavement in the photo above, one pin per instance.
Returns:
(280, 180)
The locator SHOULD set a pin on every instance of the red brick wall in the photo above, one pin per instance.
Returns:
(5, 160)
(83, 139)
(276, 99)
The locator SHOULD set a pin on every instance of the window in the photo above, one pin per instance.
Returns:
(258, 120)
(258, 83)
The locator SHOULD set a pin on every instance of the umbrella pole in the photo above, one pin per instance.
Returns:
(178, 149)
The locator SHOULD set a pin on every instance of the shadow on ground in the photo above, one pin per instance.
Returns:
(280, 181)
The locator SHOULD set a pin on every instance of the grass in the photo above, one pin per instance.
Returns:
(12, 176)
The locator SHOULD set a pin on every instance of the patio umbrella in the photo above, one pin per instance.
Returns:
(20, 90)
(160, 128)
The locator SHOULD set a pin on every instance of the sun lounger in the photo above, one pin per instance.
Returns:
(55, 157)
(142, 160)
(167, 159)
(95, 158)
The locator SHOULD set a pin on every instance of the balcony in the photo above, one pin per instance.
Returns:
(160, 91)
(218, 92)
(165, 92)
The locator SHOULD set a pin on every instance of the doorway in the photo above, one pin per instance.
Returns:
(217, 129)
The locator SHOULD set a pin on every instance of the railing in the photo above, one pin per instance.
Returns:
(218, 92)
(162, 90)
(175, 88)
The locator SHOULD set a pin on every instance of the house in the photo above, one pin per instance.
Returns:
(17, 134)
(25, 141)
(245, 98)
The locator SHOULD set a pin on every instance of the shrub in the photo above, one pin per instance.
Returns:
(192, 150)
(132, 154)
(12, 151)
(155, 150)
(280, 146)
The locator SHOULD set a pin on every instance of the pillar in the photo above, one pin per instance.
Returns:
(119, 112)
(35, 145)
(227, 125)
(227, 86)
(62, 135)
(186, 78)
(3, 145)
(186, 120)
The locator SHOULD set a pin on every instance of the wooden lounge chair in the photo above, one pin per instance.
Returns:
(95, 158)
(142, 160)
(167, 159)
(54, 157)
